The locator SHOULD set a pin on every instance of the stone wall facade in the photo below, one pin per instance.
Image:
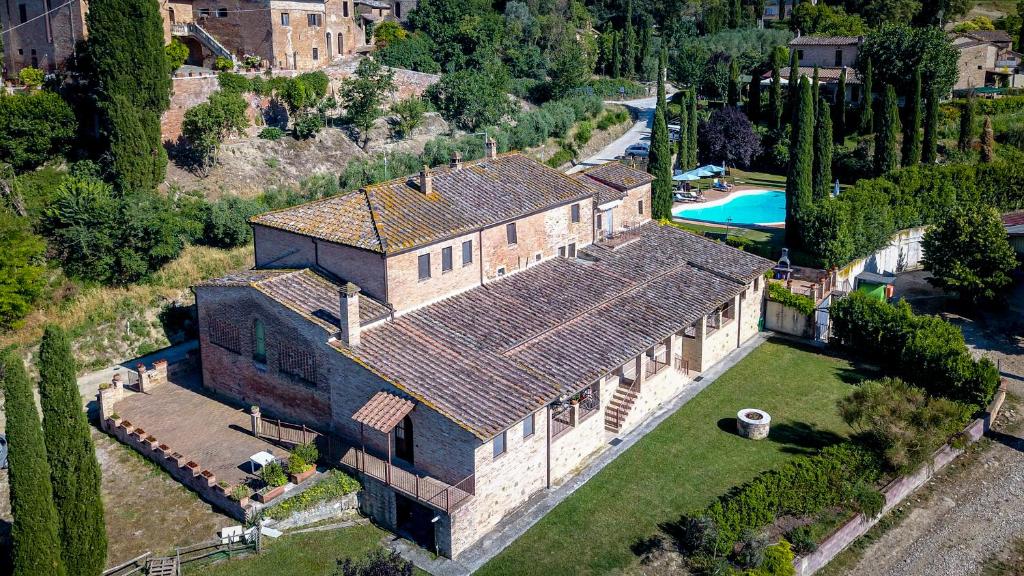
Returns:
(38, 41)
(828, 56)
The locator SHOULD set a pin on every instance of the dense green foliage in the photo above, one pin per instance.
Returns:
(34, 127)
(128, 65)
(903, 423)
(176, 53)
(364, 92)
(775, 95)
(839, 110)
(777, 292)
(74, 471)
(967, 112)
(931, 128)
(968, 254)
(802, 487)
(912, 130)
(471, 99)
(273, 475)
(728, 136)
(409, 113)
(823, 141)
(22, 269)
(896, 49)
(926, 351)
(35, 545)
(867, 112)
(206, 125)
(335, 485)
(377, 563)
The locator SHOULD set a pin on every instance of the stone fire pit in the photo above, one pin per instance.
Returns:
(753, 423)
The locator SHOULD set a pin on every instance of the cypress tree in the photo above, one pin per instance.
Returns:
(912, 131)
(35, 546)
(734, 84)
(887, 135)
(966, 125)
(840, 123)
(823, 151)
(646, 45)
(754, 99)
(629, 48)
(735, 14)
(73, 468)
(867, 111)
(988, 141)
(799, 180)
(616, 55)
(816, 86)
(127, 59)
(1020, 35)
(660, 161)
(692, 132)
(794, 84)
(775, 96)
(931, 127)
(684, 134)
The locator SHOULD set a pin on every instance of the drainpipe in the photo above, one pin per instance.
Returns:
(739, 319)
(547, 454)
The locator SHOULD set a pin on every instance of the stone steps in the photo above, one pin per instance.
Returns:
(621, 405)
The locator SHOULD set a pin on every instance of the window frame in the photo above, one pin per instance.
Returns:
(500, 272)
(467, 253)
(511, 234)
(316, 54)
(259, 342)
(503, 445)
(532, 420)
(640, 206)
(313, 20)
(574, 213)
(222, 13)
(421, 260)
(286, 19)
(447, 263)
(572, 250)
(204, 12)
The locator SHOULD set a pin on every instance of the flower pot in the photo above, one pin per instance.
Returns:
(192, 467)
(268, 493)
(302, 476)
(208, 478)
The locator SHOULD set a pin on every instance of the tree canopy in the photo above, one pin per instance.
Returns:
(968, 254)
(896, 50)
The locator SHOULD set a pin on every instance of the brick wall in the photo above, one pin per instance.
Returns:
(407, 291)
(542, 233)
(42, 41)
(186, 92)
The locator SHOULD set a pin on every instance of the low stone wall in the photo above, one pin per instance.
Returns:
(895, 492)
(347, 504)
(785, 320)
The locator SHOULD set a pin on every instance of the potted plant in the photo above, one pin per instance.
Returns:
(113, 420)
(275, 479)
(240, 494)
(302, 462)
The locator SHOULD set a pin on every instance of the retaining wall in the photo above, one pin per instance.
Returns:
(786, 320)
(904, 252)
(895, 492)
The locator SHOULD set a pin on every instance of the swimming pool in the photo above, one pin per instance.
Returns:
(748, 207)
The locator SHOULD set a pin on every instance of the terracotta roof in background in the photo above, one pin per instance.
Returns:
(603, 193)
(383, 411)
(488, 357)
(1001, 36)
(619, 176)
(394, 216)
(1014, 223)
(826, 41)
(303, 291)
(825, 73)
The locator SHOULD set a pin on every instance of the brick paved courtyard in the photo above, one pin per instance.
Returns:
(185, 417)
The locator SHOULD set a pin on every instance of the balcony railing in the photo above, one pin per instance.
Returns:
(655, 366)
(428, 490)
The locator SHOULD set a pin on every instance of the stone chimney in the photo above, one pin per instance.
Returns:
(491, 145)
(348, 296)
(426, 181)
(456, 163)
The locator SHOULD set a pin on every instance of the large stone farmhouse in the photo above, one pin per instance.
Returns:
(472, 336)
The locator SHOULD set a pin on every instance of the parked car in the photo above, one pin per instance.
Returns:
(3, 451)
(640, 150)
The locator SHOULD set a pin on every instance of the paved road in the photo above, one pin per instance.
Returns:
(645, 113)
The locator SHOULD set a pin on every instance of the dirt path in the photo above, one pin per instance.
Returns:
(970, 513)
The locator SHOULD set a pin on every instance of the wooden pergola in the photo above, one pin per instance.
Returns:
(382, 413)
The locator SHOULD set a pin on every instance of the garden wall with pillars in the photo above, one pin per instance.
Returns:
(183, 468)
(897, 490)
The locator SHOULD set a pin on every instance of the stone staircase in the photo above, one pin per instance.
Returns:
(193, 30)
(619, 408)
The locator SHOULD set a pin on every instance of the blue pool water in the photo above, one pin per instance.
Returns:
(753, 207)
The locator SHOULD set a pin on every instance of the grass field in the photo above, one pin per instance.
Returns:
(687, 461)
(309, 554)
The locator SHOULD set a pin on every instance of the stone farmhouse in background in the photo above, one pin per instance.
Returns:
(473, 335)
(987, 58)
(285, 34)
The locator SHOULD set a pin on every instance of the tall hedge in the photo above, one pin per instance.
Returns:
(35, 545)
(683, 153)
(691, 115)
(839, 131)
(931, 128)
(799, 180)
(660, 161)
(912, 131)
(793, 87)
(74, 471)
(886, 159)
(775, 96)
(823, 151)
(867, 112)
(966, 140)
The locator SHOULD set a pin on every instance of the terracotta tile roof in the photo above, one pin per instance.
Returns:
(619, 176)
(603, 193)
(826, 74)
(383, 411)
(490, 356)
(999, 36)
(1014, 223)
(394, 216)
(304, 291)
(826, 41)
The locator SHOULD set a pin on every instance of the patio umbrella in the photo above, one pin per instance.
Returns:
(835, 189)
(703, 172)
(685, 176)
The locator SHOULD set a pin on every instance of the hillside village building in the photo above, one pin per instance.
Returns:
(284, 34)
(987, 59)
(473, 335)
(831, 55)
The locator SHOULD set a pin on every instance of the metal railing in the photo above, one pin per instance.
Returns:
(204, 37)
(654, 366)
(632, 387)
(561, 420)
(423, 488)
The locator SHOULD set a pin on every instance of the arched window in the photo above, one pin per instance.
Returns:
(259, 342)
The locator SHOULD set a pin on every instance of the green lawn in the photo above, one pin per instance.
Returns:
(775, 181)
(687, 461)
(309, 554)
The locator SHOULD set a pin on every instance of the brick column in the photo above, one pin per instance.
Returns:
(254, 420)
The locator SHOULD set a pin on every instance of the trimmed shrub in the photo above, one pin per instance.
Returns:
(271, 133)
(231, 82)
(778, 292)
(273, 474)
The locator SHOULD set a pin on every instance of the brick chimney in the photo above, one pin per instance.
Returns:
(426, 181)
(456, 163)
(348, 296)
(491, 145)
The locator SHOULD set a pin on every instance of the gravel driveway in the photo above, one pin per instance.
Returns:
(971, 515)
